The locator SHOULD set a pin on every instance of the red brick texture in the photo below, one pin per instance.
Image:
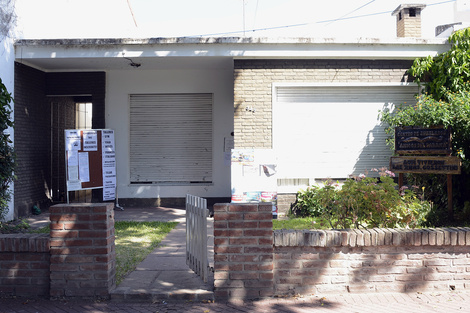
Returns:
(373, 260)
(243, 251)
(24, 265)
(82, 250)
(252, 261)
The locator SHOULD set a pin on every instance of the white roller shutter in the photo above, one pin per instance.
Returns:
(171, 138)
(332, 131)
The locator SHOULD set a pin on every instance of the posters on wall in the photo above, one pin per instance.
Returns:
(109, 165)
(254, 176)
(83, 153)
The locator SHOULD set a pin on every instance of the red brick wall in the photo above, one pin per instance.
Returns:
(243, 251)
(253, 261)
(83, 257)
(24, 264)
(373, 260)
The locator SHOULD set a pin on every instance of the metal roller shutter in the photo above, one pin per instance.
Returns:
(171, 138)
(332, 131)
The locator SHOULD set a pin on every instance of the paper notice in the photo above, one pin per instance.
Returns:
(72, 140)
(74, 185)
(72, 158)
(90, 140)
(84, 167)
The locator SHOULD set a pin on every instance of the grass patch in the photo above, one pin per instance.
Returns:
(300, 223)
(134, 241)
(42, 230)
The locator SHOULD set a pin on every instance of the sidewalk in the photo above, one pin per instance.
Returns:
(366, 303)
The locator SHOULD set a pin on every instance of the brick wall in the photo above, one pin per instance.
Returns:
(329, 261)
(24, 264)
(375, 260)
(33, 129)
(77, 259)
(253, 81)
(32, 139)
(243, 251)
(83, 256)
(409, 26)
(284, 202)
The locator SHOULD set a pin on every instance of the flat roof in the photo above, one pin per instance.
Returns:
(108, 53)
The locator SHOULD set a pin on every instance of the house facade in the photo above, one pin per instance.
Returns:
(176, 103)
(179, 105)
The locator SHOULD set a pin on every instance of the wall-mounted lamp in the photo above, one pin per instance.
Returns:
(133, 64)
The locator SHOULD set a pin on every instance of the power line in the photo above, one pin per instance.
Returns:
(308, 23)
(354, 10)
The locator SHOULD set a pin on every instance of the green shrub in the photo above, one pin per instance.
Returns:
(365, 202)
(452, 113)
(7, 156)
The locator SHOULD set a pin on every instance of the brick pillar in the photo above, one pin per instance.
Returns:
(243, 251)
(83, 258)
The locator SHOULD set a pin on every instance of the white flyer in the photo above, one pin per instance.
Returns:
(90, 140)
(72, 140)
(84, 167)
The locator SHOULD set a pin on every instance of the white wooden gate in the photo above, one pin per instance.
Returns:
(196, 235)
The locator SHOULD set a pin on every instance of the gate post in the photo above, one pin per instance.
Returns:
(83, 256)
(243, 251)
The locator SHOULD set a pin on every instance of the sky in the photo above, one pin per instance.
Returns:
(46, 19)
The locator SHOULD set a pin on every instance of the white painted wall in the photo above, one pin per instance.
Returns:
(7, 58)
(122, 83)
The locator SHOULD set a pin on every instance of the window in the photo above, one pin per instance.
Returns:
(171, 138)
(83, 115)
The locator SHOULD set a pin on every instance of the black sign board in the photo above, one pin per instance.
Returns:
(418, 140)
(426, 164)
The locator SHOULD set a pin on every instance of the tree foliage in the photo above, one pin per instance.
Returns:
(449, 71)
(446, 103)
(7, 156)
(7, 17)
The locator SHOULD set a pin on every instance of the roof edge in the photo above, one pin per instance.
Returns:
(222, 40)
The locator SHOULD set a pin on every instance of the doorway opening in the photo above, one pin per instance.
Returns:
(67, 112)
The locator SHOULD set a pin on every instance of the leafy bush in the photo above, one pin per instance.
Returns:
(7, 156)
(453, 113)
(449, 71)
(365, 202)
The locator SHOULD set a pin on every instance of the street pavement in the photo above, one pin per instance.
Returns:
(360, 303)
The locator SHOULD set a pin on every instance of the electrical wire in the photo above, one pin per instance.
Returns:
(364, 5)
(307, 23)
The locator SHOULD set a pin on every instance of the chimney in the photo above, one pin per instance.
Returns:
(409, 20)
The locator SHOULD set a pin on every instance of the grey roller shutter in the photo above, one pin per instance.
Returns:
(171, 138)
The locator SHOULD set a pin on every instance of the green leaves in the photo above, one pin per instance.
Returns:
(7, 155)
(365, 202)
(449, 71)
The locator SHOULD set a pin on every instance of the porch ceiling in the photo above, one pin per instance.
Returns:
(120, 63)
(208, 53)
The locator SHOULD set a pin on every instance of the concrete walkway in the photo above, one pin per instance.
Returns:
(164, 274)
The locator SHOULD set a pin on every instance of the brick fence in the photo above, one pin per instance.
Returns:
(24, 264)
(77, 259)
(253, 261)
